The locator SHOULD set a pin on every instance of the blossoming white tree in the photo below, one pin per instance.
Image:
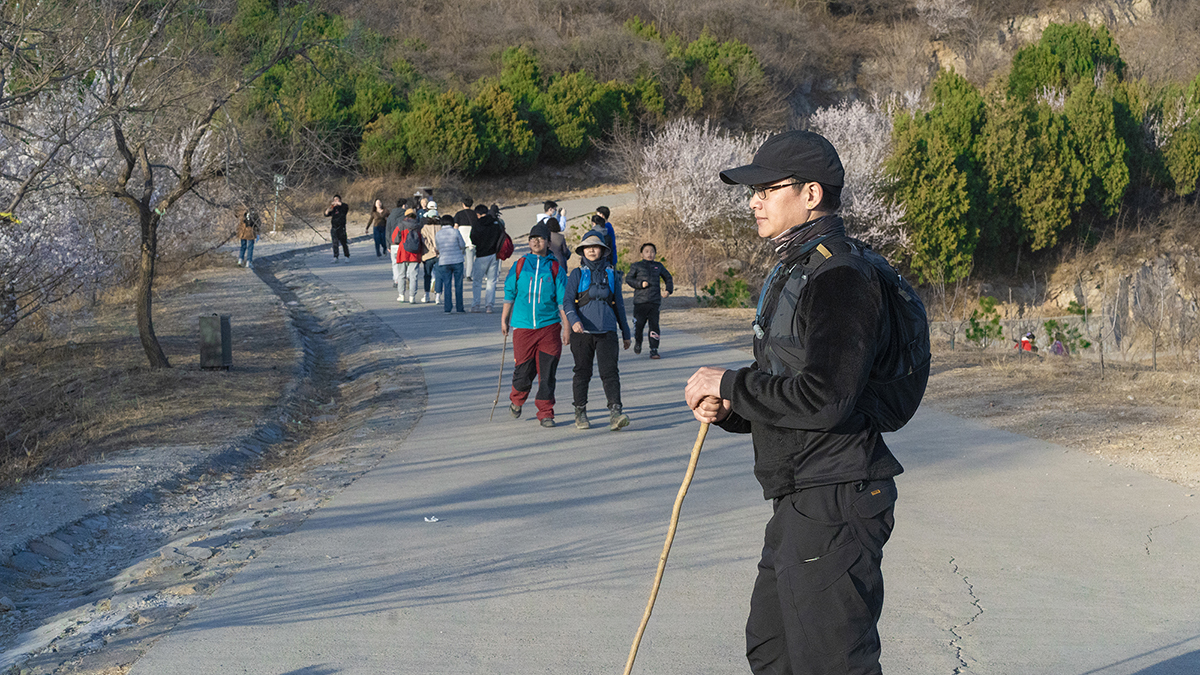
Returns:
(135, 120)
(862, 134)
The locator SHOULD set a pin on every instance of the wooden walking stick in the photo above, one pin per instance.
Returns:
(500, 377)
(662, 560)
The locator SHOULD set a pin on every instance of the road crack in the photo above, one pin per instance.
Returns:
(1150, 533)
(956, 643)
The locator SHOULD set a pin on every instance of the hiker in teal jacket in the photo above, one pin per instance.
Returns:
(533, 296)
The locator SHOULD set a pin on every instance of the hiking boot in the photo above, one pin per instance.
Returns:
(514, 410)
(581, 420)
(654, 354)
(548, 422)
(637, 348)
(617, 419)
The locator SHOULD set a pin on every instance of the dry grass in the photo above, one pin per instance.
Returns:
(67, 399)
(1134, 416)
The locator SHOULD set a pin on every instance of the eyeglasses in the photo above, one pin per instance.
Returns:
(761, 192)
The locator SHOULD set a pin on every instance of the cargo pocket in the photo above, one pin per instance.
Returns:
(871, 516)
(831, 611)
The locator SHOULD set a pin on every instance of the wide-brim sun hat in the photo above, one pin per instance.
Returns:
(592, 239)
(806, 155)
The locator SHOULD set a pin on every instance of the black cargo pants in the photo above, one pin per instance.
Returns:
(819, 592)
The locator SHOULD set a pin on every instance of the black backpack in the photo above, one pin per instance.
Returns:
(413, 241)
(901, 369)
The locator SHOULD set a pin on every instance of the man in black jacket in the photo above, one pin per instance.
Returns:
(337, 226)
(645, 277)
(818, 456)
(465, 220)
(485, 237)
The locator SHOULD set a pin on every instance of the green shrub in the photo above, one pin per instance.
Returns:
(983, 328)
(442, 135)
(1065, 55)
(578, 109)
(726, 291)
(507, 138)
(520, 75)
(383, 146)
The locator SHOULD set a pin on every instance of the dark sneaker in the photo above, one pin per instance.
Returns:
(548, 422)
(637, 349)
(617, 420)
(514, 410)
(654, 354)
(581, 420)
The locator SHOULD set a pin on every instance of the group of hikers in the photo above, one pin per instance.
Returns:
(841, 356)
(544, 305)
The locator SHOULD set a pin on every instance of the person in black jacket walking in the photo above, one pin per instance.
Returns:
(485, 236)
(337, 226)
(819, 455)
(645, 278)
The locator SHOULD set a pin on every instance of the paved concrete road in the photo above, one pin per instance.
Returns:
(1010, 556)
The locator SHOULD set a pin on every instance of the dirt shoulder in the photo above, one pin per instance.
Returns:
(1133, 416)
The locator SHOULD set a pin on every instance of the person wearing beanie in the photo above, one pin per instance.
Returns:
(819, 454)
(596, 311)
(533, 297)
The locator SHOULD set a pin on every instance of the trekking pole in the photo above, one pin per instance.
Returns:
(662, 560)
(500, 377)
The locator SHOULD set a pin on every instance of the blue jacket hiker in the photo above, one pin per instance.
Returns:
(533, 297)
(595, 311)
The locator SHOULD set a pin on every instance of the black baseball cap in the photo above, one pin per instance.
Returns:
(806, 155)
(540, 230)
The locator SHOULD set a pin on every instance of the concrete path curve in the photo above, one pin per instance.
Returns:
(1010, 556)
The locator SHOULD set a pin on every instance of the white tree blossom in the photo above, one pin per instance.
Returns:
(680, 174)
(58, 237)
(862, 134)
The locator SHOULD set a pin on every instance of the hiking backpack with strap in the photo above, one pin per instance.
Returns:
(900, 371)
(585, 282)
(413, 241)
(505, 250)
(520, 264)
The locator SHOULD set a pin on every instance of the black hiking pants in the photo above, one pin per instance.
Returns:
(603, 348)
(338, 234)
(643, 313)
(819, 593)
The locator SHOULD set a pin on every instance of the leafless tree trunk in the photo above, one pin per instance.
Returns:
(1150, 299)
(139, 91)
(950, 302)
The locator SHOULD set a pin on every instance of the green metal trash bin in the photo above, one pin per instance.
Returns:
(216, 342)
